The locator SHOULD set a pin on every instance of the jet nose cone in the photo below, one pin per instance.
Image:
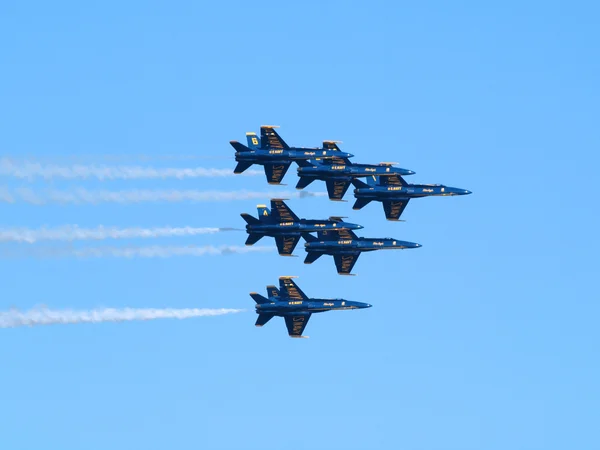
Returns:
(467, 192)
(418, 245)
(358, 227)
(349, 155)
(410, 172)
(368, 305)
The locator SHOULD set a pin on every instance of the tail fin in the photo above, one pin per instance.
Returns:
(253, 141)
(264, 213)
(303, 182)
(249, 219)
(259, 298)
(359, 184)
(273, 292)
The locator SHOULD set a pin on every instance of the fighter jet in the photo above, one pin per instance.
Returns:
(339, 172)
(346, 247)
(274, 154)
(294, 306)
(281, 223)
(394, 192)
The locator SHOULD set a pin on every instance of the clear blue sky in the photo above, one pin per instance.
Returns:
(484, 338)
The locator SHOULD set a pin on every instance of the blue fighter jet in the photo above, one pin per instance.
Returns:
(281, 223)
(274, 154)
(294, 306)
(339, 172)
(394, 192)
(346, 247)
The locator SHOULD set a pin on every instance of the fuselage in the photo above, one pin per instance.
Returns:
(349, 171)
(291, 228)
(285, 306)
(258, 156)
(341, 246)
(379, 192)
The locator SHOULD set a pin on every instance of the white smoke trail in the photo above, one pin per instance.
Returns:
(30, 170)
(155, 251)
(74, 233)
(43, 316)
(82, 196)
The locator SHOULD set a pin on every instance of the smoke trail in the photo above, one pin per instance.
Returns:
(81, 196)
(155, 251)
(74, 233)
(43, 316)
(30, 170)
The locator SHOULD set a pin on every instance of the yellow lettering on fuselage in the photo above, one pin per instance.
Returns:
(345, 242)
(275, 152)
(294, 303)
(286, 224)
(394, 188)
(338, 167)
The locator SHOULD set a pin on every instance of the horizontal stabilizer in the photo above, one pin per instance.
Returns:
(239, 147)
(359, 184)
(303, 182)
(309, 237)
(241, 166)
(361, 203)
(263, 319)
(249, 219)
(253, 238)
(259, 298)
(311, 257)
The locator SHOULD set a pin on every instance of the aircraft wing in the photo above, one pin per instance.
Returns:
(286, 284)
(394, 208)
(296, 324)
(283, 211)
(337, 189)
(392, 180)
(276, 172)
(286, 244)
(345, 263)
(270, 139)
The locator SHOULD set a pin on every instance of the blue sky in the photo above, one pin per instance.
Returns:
(486, 337)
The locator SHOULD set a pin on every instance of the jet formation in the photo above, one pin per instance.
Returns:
(334, 236)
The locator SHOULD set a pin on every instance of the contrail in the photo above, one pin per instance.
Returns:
(74, 233)
(30, 170)
(156, 251)
(43, 316)
(82, 196)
